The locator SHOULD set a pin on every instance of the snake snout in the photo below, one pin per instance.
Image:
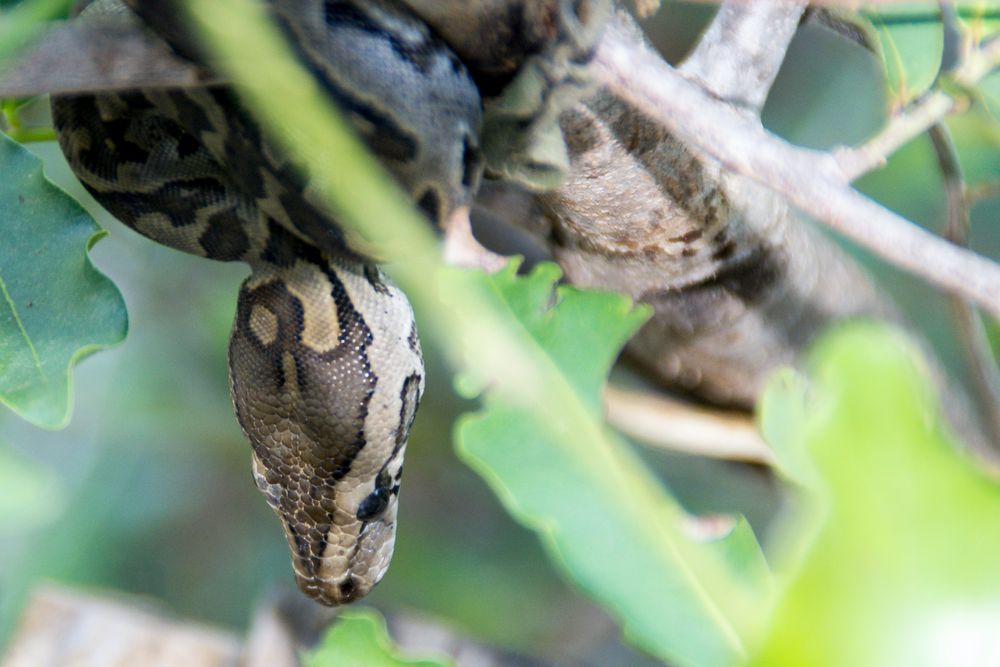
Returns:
(352, 559)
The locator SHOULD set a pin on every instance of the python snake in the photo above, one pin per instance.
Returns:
(324, 361)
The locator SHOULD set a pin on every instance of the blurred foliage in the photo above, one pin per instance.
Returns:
(890, 554)
(359, 639)
(148, 488)
(32, 495)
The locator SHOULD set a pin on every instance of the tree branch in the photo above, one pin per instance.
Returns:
(740, 54)
(812, 180)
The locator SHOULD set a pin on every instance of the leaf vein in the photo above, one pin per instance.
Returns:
(20, 325)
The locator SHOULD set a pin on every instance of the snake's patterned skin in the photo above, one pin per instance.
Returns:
(325, 364)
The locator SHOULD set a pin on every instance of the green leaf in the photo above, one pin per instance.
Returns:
(902, 569)
(359, 639)
(603, 518)
(980, 18)
(55, 307)
(977, 139)
(910, 41)
(993, 335)
(779, 416)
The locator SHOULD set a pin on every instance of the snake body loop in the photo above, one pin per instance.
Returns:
(325, 364)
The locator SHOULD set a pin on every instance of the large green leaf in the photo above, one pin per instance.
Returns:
(893, 555)
(359, 639)
(55, 307)
(612, 528)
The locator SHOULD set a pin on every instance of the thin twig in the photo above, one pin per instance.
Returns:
(740, 54)
(681, 427)
(979, 356)
(812, 180)
(919, 116)
(902, 128)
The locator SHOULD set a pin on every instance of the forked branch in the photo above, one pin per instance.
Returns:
(814, 181)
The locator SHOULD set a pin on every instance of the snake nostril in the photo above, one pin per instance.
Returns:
(348, 588)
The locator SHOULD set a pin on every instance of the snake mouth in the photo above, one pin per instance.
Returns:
(330, 593)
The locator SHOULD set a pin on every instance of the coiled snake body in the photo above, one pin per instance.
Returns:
(325, 364)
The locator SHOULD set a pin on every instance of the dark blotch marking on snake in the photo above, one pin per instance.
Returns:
(223, 240)
(696, 308)
(341, 15)
(179, 201)
(355, 338)
(409, 400)
(385, 138)
(283, 248)
(115, 140)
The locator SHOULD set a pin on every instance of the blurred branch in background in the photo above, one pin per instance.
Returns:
(678, 426)
(979, 357)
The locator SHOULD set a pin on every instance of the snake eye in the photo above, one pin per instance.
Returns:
(377, 500)
(374, 504)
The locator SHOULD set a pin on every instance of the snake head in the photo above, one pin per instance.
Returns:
(326, 374)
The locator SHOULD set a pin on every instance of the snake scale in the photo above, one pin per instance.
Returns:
(324, 360)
